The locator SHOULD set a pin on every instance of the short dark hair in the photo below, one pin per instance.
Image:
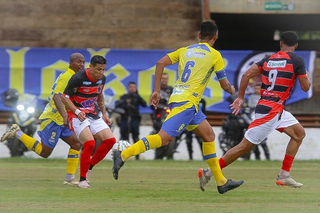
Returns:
(97, 59)
(289, 38)
(131, 82)
(208, 29)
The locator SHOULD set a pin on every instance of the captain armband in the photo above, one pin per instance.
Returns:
(221, 75)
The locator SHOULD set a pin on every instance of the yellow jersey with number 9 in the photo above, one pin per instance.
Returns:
(196, 64)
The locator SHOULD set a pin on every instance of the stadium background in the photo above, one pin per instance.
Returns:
(152, 24)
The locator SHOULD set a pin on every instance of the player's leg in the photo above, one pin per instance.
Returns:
(43, 148)
(179, 117)
(292, 128)
(134, 129)
(82, 131)
(73, 155)
(204, 130)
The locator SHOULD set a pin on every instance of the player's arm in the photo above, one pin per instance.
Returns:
(69, 92)
(102, 108)
(226, 86)
(57, 101)
(57, 93)
(251, 72)
(305, 81)
(161, 64)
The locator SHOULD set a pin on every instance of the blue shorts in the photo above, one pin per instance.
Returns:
(182, 116)
(50, 132)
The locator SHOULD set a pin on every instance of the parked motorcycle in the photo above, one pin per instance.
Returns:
(24, 115)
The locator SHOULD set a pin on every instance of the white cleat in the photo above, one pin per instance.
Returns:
(88, 175)
(84, 184)
(11, 132)
(288, 181)
(203, 180)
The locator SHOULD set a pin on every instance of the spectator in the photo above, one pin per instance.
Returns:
(130, 119)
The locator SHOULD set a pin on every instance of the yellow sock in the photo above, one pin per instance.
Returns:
(209, 153)
(72, 161)
(31, 143)
(144, 144)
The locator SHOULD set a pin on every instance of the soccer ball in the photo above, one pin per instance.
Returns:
(121, 145)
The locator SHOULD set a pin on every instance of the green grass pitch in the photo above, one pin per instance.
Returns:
(35, 185)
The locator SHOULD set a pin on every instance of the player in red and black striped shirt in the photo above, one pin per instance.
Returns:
(279, 74)
(82, 96)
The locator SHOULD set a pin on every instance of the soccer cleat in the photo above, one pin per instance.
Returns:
(72, 182)
(203, 179)
(84, 184)
(88, 175)
(117, 163)
(230, 185)
(11, 132)
(288, 181)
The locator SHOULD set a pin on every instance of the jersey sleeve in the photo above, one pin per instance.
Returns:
(300, 69)
(260, 64)
(218, 64)
(174, 56)
(61, 83)
(72, 84)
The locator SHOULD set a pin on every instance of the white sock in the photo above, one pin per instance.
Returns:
(284, 174)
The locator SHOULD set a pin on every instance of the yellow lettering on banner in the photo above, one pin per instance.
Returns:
(17, 68)
(146, 79)
(48, 77)
(115, 84)
(101, 52)
(215, 91)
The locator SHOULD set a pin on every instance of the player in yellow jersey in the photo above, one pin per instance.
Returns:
(196, 64)
(54, 124)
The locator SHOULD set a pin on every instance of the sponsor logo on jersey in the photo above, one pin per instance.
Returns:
(99, 82)
(86, 82)
(274, 64)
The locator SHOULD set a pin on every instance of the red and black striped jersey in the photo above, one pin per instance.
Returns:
(83, 92)
(279, 72)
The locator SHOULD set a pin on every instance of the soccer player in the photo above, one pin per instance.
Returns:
(279, 73)
(81, 97)
(54, 124)
(196, 64)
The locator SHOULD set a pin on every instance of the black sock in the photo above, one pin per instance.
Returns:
(82, 178)
(91, 166)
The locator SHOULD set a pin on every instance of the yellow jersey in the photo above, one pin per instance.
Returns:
(196, 64)
(50, 111)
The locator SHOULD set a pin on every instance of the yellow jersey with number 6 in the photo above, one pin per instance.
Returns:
(196, 64)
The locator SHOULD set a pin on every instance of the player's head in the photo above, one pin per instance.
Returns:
(164, 79)
(76, 62)
(208, 31)
(132, 87)
(289, 38)
(97, 67)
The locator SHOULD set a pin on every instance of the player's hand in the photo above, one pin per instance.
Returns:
(154, 99)
(106, 119)
(65, 122)
(82, 116)
(236, 106)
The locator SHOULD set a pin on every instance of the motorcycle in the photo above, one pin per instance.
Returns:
(24, 115)
(158, 117)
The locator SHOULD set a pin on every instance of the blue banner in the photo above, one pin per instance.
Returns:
(34, 70)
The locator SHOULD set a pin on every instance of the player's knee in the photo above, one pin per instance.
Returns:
(76, 145)
(89, 145)
(166, 141)
(45, 154)
(299, 136)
